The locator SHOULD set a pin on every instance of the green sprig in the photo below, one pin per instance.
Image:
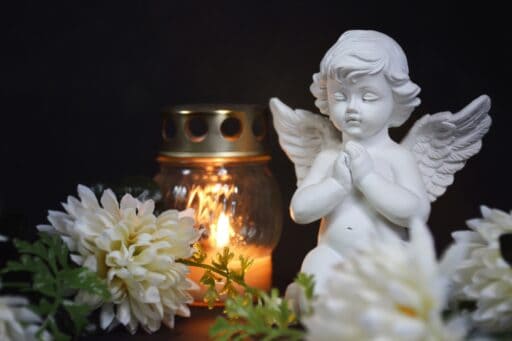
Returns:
(269, 318)
(260, 315)
(220, 271)
(55, 279)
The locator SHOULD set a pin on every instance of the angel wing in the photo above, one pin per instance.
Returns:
(302, 135)
(443, 142)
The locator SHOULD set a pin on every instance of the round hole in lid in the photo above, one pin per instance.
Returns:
(196, 128)
(231, 128)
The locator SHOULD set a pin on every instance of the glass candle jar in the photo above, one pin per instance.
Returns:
(214, 160)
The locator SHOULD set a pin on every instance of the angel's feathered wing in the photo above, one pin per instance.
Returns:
(443, 142)
(302, 135)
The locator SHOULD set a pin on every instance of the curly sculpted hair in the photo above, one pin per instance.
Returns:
(361, 52)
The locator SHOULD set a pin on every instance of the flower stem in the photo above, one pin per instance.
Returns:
(215, 270)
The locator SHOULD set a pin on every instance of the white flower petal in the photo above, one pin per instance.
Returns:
(47, 229)
(387, 289)
(110, 204)
(147, 207)
(169, 321)
(107, 315)
(484, 276)
(60, 221)
(189, 212)
(91, 263)
(87, 197)
(27, 315)
(152, 295)
(73, 206)
(409, 329)
(123, 312)
(70, 243)
(132, 326)
(17, 322)
(127, 202)
(77, 259)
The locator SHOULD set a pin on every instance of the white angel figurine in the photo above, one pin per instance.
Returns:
(350, 173)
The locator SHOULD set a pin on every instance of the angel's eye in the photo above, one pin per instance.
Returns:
(338, 96)
(370, 97)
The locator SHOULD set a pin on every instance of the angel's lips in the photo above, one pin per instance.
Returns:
(353, 120)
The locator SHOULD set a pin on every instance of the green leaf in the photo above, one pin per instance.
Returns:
(43, 308)
(269, 318)
(44, 282)
(78, 314)
(26, 264)
(219, 272)
(211, 296)
(36, 249)
(222, 330)
(42, 279)
(57, 249)
(307, 282)
(55, 278)
(222, 259)
(86, 280)
(199, 255)
(57, 334)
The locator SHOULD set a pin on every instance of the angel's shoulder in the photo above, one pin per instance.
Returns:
(399, 155)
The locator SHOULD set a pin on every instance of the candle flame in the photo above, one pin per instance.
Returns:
(209, 202)
(221, 233)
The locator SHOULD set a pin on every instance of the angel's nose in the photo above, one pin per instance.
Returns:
(352, 105)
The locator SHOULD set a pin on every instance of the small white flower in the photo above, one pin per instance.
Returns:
(17, 322)
(483, 275)
(387, 290)
(135, 252)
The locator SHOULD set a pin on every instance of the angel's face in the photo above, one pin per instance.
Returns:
(360, 107)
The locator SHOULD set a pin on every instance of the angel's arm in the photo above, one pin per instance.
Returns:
(319, 192)
(398, 200)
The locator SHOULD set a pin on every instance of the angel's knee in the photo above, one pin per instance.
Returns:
(319, 262)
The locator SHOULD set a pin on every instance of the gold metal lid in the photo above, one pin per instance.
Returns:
(214, 131)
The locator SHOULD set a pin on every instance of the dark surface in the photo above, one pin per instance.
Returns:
(82, 84)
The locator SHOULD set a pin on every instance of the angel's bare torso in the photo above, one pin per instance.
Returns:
(355, 215)
(353, 220)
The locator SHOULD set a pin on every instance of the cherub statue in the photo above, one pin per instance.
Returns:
(350, 173)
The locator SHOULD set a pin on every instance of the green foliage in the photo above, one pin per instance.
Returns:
(78, 314)
(54, 278)
(307, 282)
(220, 273)
(260, 315)
(199, 255)
(257, 314)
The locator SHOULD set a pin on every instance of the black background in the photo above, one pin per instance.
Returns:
(82, 83)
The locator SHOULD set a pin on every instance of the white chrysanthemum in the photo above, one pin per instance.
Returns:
(135, 251)
(17, 322)
(483, 275)
(387, 290)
